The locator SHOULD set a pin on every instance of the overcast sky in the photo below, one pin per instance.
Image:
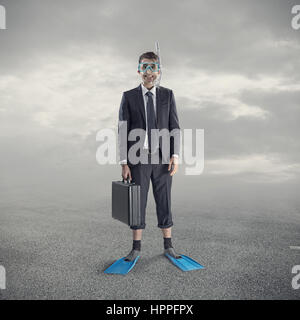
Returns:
(233, 66)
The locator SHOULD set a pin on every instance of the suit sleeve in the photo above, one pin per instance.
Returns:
(123, 129)
(174, 127)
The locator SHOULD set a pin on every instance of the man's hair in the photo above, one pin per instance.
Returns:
(148, 55)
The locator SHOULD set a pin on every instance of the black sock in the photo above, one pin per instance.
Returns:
(136, 245)
(168, 243)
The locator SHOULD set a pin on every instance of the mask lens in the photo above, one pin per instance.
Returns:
(144, 66)
(154, 66)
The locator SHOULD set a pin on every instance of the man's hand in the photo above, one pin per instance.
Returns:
(126, 172)
(173, 163)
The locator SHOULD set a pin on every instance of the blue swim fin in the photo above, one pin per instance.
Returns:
(185, 263)
(121, 266)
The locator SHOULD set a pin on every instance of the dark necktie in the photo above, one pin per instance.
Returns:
(151, 122)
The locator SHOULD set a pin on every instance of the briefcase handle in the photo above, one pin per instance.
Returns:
(127, 180)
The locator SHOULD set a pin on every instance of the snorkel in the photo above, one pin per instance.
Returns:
(157, 49)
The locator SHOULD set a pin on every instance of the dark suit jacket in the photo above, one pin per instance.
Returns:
(132, 110)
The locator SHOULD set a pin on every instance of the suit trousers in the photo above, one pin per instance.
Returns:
(159, 175)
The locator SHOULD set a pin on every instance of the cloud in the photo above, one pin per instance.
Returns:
(233, 67)
(242, 37)
(71, 94)
(258, 167)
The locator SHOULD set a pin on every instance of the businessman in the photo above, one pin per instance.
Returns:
(151, 109)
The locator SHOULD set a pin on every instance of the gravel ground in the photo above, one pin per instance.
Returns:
(60, 252)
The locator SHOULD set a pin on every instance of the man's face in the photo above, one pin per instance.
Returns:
(149, 70)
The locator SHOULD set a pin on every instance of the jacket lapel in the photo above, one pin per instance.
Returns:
(140, 102)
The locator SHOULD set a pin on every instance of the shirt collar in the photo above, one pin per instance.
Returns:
(145, 90)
